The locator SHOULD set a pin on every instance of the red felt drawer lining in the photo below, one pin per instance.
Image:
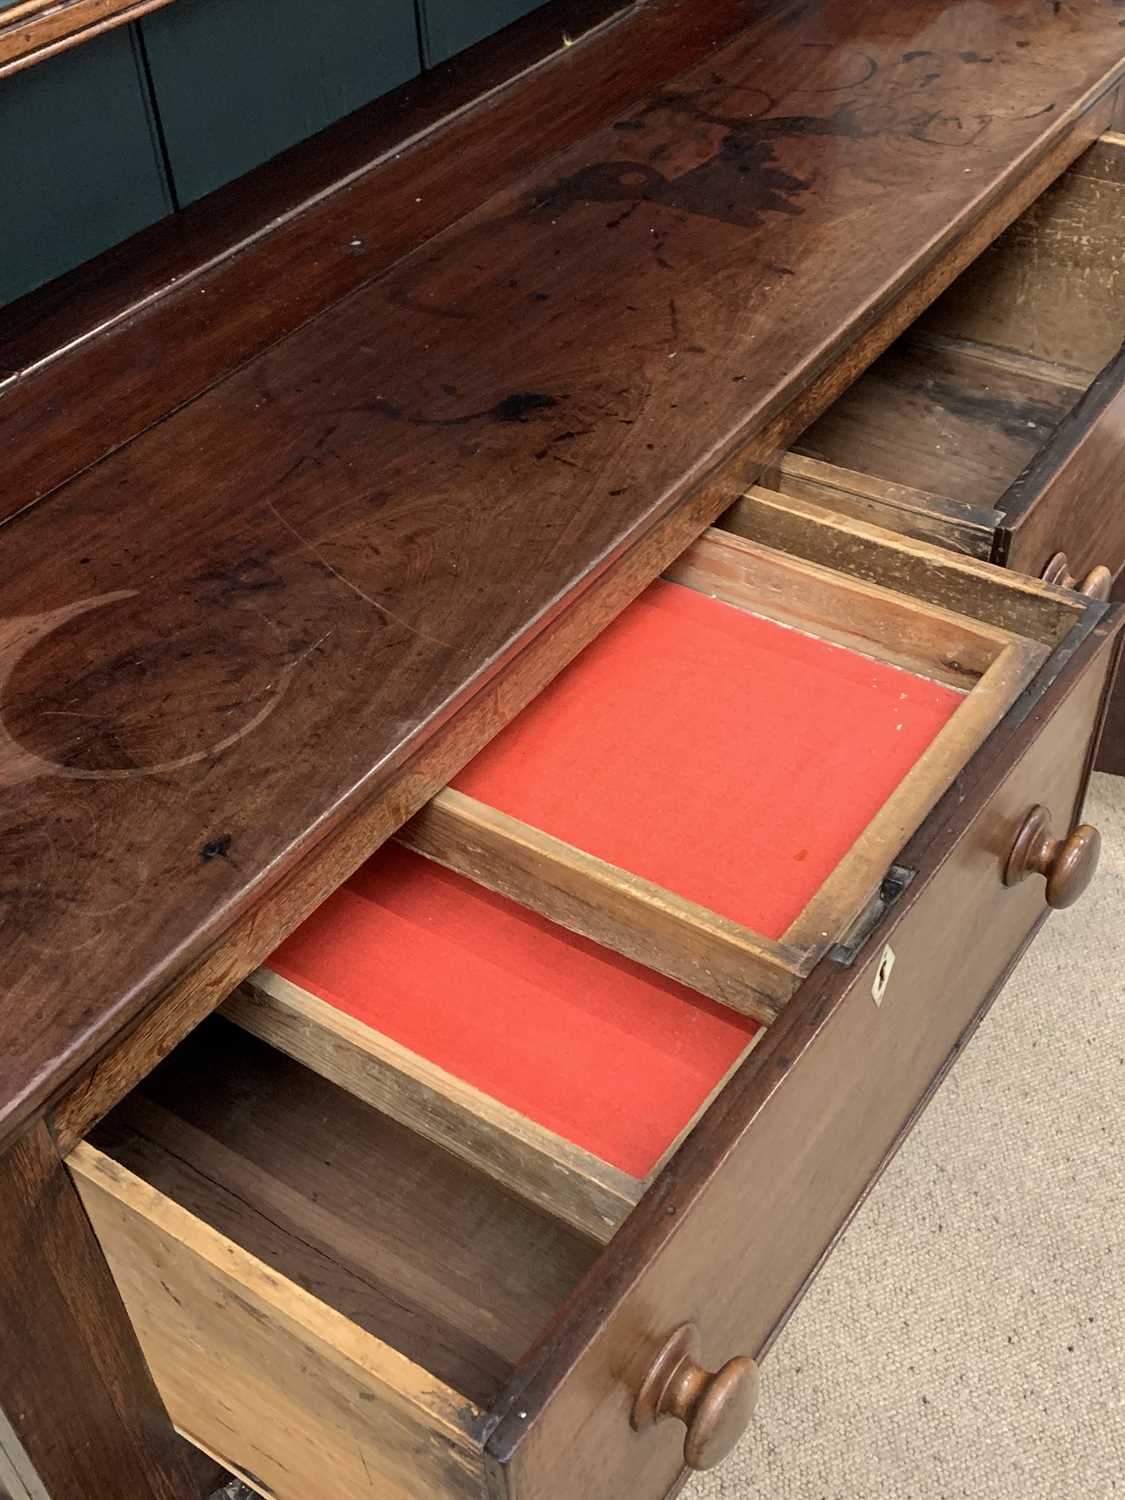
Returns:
(723, 756)
(726, 757)
(597, 1049)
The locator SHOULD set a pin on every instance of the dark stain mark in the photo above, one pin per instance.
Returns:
(621, 491)
(974, 57)
(216, 848)
(674, 319)
(913, 56)
(738, 185)
(540, 296)
(1031, 421)
(629, 125)
(450, 390)
(628, 213)
(561, 437)
(404, 297)
(520, 404)
(868, 70)
(517, 407)
(222, 587)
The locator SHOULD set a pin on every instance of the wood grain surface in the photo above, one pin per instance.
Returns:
(32, 30)
(230, 637)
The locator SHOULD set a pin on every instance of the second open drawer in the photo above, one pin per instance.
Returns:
(996, 424)
(632, 880)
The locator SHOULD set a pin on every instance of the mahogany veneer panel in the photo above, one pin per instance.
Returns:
(720, 755)
(235, 632)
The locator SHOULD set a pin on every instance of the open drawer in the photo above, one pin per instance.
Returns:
(354, 1271)
(996, 425)
(716, 792)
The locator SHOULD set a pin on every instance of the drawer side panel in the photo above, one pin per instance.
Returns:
(281, 1388)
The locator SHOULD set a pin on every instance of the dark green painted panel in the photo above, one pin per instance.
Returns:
(449, 26)
(236, 81)
(79, 169)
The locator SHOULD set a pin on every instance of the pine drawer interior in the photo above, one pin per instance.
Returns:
(568, 951)
(932, 437)
(327, 1301)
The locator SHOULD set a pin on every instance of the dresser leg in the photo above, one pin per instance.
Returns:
(80, 1417)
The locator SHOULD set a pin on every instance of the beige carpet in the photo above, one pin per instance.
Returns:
(968, 1336)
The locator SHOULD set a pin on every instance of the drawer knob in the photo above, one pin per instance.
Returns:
(1068, 864)
(716, 1409)
(1097, 584)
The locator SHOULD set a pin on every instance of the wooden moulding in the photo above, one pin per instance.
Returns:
(718, 957)
(37, 29)
(570, 1183)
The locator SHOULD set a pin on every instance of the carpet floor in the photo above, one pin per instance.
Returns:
(967, 1338)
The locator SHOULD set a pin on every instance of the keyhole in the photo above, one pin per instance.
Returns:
(883, 975)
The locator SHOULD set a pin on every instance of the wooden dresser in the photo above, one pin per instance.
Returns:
(789, 326)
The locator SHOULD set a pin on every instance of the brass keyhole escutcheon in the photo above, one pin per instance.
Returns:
(715, 1408)
(1068, 864)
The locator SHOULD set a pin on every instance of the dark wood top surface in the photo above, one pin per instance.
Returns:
(238, 627)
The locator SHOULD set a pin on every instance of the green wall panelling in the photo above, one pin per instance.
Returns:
(449, 26)
(237, 81)
(79, 166)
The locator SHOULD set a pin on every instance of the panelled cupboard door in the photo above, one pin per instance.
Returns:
(237, 81)
(449, 26)
(81, 167)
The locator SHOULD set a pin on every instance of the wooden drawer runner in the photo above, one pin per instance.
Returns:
(335, 1284)
(997, 424)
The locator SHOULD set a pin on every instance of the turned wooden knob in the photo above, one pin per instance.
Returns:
(715, 1409)
(1068, 864)
(1097, 583)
